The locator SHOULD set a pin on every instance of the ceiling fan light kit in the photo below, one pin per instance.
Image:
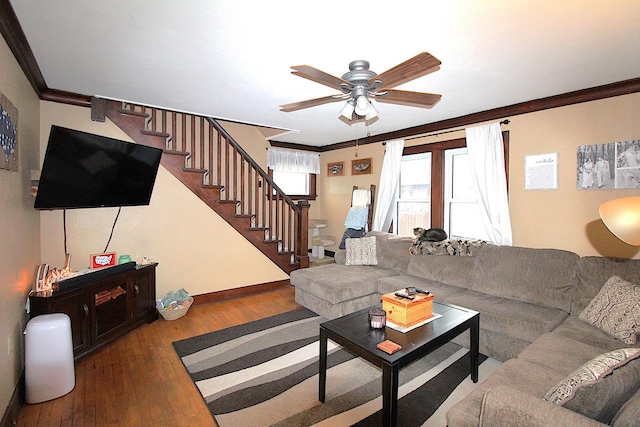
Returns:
(360, 85)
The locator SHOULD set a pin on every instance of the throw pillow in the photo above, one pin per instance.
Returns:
(600, 387)
(616, 310)
(361, 251)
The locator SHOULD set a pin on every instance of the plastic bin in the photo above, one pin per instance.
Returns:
(49, 368)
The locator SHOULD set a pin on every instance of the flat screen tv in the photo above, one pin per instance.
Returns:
(82, 170)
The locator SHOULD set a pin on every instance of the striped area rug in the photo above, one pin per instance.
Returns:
(265, 373)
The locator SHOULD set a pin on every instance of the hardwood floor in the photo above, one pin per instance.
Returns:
(138, 380)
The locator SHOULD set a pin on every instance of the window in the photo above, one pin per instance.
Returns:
(296, 185)
(294, 172)
(461, 211)
(414, 194)
(450, 201)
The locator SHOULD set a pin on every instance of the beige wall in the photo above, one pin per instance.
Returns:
(566, 218)
(19, 227)
(195, 248)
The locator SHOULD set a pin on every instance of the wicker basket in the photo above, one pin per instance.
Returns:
(178, 312)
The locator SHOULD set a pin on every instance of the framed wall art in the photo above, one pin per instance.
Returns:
(541, 171)
(608, 166)
(335, 169)
(361, 166)
(8, 135)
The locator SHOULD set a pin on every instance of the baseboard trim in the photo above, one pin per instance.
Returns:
(239, 292)
(11, 414)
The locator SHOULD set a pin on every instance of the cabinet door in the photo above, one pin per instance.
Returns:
(77, 308)
(144, 293)
(109, 308)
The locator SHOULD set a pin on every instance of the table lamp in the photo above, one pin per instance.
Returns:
(622, 218)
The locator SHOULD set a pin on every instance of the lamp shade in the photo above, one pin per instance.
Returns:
(362, 106)
(373, 112)
(347, 110)
(622, 218)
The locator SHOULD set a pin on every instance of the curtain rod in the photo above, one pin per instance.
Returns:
(504, 122)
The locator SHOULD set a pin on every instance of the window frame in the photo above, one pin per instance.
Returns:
(437, 150)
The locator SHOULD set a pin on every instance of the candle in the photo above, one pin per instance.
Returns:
(377, 318)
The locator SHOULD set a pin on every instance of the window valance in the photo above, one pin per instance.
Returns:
(282, 160)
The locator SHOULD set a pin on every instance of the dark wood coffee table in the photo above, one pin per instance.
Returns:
(354, 334)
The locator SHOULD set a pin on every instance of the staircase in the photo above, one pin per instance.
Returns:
(207, 160)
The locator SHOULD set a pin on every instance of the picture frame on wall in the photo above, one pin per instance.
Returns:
(8, 135)
(608, 166)
(361, 166)
(335, 169)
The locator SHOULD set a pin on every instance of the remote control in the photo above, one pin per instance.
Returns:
(422, 291)
(403, 295)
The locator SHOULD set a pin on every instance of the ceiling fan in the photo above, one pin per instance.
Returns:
(360, 85)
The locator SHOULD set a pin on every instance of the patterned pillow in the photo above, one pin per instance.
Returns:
(361, 251)
(460, 247)
(600, 387)
(616, 310)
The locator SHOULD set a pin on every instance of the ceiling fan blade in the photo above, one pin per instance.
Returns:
(418, 66)
(315, 75)
(411, 99)
(294, 106)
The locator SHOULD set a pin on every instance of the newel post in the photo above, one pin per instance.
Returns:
(302, 234)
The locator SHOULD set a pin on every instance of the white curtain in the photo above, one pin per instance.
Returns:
(486, 162)
(388, 187)
(282, 160)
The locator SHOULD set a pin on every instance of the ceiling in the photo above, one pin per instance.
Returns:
(232, 59)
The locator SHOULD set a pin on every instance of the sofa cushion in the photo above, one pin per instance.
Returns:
(616, 310)
(561, 353)
(629, 414)
(528, 377)
(518, 319)
(392, 250)
(577, 330)
(332, 311)
(336, 283)
(593, 272)
(509, 407)
(441, 292)
(457, 271)
(361, 251)
(538, 276)
(600, 387)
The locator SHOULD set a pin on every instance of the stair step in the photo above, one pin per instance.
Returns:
(174, 152)
(249, 216)
(155, 133)
(229, 202)
(195, 170)
(132, 113)
(213, 186)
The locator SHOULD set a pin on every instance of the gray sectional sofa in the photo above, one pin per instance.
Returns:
(529, 302)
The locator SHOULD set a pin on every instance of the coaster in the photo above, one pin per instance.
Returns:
(389, 346)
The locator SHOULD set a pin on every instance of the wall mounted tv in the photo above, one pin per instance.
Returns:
(82, 170)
